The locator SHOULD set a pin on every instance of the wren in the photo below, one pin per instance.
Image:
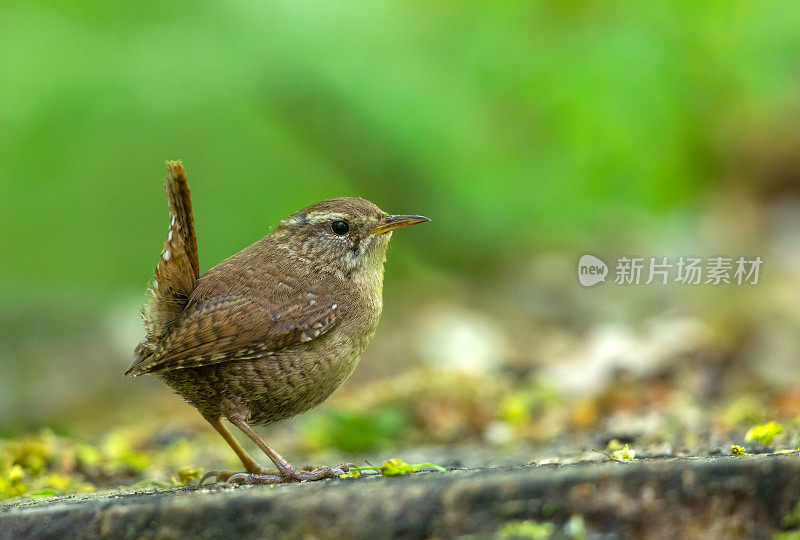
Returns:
(273, 330)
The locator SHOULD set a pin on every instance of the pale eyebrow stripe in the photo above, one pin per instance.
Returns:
(316, 217)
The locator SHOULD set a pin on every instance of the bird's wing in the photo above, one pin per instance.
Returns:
(233, 327)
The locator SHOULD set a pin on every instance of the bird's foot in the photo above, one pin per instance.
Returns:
(288, 475)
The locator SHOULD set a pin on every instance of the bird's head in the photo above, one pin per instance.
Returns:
(347, 235)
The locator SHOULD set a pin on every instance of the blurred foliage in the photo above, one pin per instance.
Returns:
(353, 431)
(764, 433)
(527, 529)
(38, 466)
(792, 519)
(513, 125)
(186, 475)
(46, 464)
(746, 409)
(420, 408)
(791, 525)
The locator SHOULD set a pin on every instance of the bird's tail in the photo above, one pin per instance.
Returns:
(177, 269)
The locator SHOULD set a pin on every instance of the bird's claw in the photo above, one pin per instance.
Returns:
(220, 476)
(251, 479)
(306, 474)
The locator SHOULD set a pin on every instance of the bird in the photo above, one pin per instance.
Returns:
(271, 331)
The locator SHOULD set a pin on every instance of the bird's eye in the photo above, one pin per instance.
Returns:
(340, 227)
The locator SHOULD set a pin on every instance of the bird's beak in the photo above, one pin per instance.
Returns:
(391, 223)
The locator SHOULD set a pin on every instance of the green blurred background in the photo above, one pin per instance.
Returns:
(530, 132)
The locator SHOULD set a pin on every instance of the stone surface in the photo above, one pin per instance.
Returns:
(720, 497)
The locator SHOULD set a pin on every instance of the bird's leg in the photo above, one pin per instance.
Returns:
(249, 463)
(286, 472)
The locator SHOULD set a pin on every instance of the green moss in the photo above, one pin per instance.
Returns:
(392, 467)
(737, 450)
(618, 453)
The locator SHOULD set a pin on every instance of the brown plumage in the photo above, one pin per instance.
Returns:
(273, 330)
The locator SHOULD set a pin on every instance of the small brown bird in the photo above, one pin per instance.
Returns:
(273, 330)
